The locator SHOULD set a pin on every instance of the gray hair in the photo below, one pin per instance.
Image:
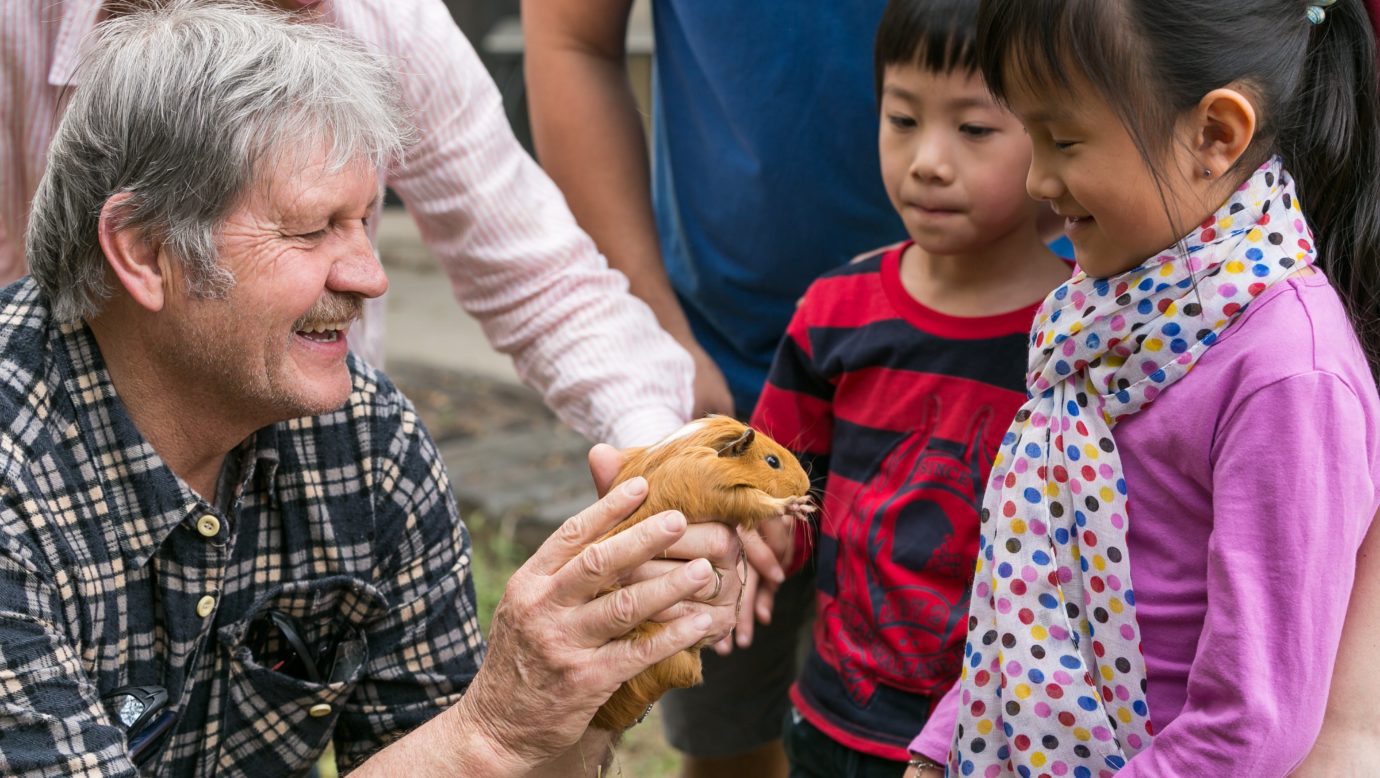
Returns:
(186, 108)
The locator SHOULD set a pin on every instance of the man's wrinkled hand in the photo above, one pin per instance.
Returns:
(554, 655)
(714, 541)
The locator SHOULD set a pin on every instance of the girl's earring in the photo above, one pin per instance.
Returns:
(1207, 172)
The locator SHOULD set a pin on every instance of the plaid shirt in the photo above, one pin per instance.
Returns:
(113, 572)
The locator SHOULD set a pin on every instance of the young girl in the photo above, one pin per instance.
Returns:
(1169, 536)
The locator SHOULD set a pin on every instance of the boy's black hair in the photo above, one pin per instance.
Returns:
(939, 36)
(1314, 88)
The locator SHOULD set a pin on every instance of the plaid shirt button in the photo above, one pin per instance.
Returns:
(205, 605)
(208, 526)
(319, 709)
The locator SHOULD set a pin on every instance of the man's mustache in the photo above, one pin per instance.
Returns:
(332, 308)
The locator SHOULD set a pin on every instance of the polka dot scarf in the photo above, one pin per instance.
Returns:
(1053, 679)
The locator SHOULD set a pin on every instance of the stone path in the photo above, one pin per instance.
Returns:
(509, 458)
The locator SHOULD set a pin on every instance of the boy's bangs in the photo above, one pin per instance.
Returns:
(1041, 46)
(933, 35)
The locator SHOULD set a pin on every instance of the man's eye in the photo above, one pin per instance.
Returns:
(901, 121)
(975, 130)
(314, 234)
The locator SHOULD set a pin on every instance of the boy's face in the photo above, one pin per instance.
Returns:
(953, 161)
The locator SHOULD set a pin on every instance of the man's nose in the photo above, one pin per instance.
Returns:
(358, 270)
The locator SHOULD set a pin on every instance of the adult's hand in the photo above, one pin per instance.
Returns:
(554, 656)
(712, 394)
(713, 540)
(759, 570)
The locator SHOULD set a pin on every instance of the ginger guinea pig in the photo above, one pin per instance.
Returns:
(712, 469)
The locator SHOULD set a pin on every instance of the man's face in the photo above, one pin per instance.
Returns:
(274, 348)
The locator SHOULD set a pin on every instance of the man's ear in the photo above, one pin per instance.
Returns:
(1226, 124)
(137, 262)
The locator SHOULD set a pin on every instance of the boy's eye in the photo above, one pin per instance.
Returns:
(975, 130)
(900, 121)
(1064, 145)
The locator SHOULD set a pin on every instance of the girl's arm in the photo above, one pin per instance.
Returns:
(1349, 744)
(1292, 499)
(934, 740)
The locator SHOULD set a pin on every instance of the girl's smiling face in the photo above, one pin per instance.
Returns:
(1088, 167)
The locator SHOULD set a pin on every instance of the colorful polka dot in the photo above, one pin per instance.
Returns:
(1064, 692)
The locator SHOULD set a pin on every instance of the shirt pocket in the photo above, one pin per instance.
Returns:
(282, 722)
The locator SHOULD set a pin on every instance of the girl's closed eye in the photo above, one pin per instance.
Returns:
(976, 131)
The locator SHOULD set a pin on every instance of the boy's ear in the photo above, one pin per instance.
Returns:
(1226, 125)
(137, 262)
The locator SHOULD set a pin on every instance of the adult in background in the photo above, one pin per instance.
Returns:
(516, 259)
(757, 186)
(224, 540)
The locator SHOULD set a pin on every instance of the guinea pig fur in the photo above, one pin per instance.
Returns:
(712, 469)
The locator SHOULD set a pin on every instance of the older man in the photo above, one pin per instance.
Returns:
(497, 225)
(224, 541)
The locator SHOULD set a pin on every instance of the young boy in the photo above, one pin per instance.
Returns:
(895, 383)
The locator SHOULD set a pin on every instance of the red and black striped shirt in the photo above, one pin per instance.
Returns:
(896, 410)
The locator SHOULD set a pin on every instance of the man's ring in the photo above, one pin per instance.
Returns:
(718, 583)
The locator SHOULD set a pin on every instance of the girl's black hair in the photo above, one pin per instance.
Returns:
(1314, 88)
(939, 36)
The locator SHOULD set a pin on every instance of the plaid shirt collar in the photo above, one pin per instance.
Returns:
(134, 480)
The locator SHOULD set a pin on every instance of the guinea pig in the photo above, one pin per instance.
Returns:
(712, 469)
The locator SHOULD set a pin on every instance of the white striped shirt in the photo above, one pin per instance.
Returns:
(515, 256)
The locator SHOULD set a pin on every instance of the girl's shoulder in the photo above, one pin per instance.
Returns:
(1297, 327)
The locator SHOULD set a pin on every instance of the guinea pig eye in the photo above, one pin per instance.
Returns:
(773, 461)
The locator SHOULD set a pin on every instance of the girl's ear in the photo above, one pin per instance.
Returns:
(138, 263)
(1226, 124)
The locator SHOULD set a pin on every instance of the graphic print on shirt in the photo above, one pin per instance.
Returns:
(901, 517)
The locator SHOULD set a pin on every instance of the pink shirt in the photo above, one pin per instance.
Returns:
(500, 228)
(1252, 482)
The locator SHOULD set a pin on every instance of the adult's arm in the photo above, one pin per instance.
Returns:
(517, 260)
(589, 138)
(1291, 506)
(554, 654)
(1349, 743)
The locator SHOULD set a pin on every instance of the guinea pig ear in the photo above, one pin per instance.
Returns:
(739, 445)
